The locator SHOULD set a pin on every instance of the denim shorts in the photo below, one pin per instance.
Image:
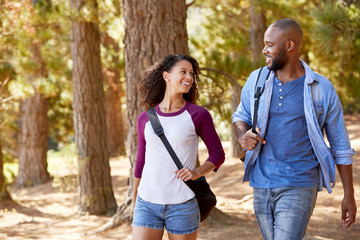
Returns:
(283, 213)
(180, 218)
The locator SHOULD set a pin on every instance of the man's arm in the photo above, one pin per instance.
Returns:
(348, 206)
(247, 139)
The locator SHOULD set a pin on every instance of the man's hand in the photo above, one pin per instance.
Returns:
(249, 140)
(348, 205)
(348, 211)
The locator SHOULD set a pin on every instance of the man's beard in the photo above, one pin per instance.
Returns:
(279, 61)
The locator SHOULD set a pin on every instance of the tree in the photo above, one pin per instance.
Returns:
(33, 142)
(112, 30)
(233, 40)
(114, 115)
(4, 78)
(337, 31)
(228, 37)
(96, 193)
(33, 124)
(257, 30)
(153, 29)
(4, 194)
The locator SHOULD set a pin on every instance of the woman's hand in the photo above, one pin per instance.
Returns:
(186, 174)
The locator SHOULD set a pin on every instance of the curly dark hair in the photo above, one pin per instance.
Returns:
(152, 86)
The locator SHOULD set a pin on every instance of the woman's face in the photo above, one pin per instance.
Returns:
(180, 78)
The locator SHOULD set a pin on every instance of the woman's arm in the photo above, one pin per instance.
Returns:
(136, 185)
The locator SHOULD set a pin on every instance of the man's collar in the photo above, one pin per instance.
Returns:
(309, 76)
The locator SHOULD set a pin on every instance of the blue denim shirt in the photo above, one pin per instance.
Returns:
(323, 112)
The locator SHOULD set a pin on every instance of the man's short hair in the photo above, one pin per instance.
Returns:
(288, 24)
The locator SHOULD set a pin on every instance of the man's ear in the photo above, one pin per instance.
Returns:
(290, 45)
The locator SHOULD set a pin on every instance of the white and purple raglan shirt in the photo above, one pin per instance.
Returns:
(154, 164)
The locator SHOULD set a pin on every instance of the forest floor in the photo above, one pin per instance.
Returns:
(48, 211)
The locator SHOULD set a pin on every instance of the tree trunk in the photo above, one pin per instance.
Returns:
(235, 100)
(113, 113)
(95, 187)
(257, 30)
(33, 142)
(33, 130)
(4, 194)
(153, 29)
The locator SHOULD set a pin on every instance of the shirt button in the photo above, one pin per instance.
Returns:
(279, 104)
(281, 97)
(280, 90)
(279, 84)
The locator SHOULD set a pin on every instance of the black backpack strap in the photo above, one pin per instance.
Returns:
(158, 129)
(258, 91)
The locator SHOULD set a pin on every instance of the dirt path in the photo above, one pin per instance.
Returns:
(48, 211)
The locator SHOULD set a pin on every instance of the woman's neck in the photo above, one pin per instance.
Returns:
(172, 104)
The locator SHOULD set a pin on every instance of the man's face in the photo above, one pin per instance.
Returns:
(274, 49)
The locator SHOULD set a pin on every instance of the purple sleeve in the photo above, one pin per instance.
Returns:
(140, 158)
(205, 128)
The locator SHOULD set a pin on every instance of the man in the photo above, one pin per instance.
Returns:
(288, 161)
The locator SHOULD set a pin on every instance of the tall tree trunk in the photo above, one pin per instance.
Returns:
(33, 131)
(113, 113)
(33, 142)
(257, 30)
(153, 29)
(235, 100)
(4, 194)
(96, 193)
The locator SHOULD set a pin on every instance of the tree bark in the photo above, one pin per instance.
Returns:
(257, 30)
(33, 142)
(113, 112)
(95, 187)
(33, 131)
(4, 194)
(235, 100)
(153, 29)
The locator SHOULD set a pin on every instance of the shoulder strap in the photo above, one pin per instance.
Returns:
(258, 91)
(159, 131)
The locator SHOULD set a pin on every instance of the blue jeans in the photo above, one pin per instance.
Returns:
(179, 219)
(283, 213)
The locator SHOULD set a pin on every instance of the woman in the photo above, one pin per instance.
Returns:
(161, 197)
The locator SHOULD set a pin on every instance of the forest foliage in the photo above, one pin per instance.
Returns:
(218, 37)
